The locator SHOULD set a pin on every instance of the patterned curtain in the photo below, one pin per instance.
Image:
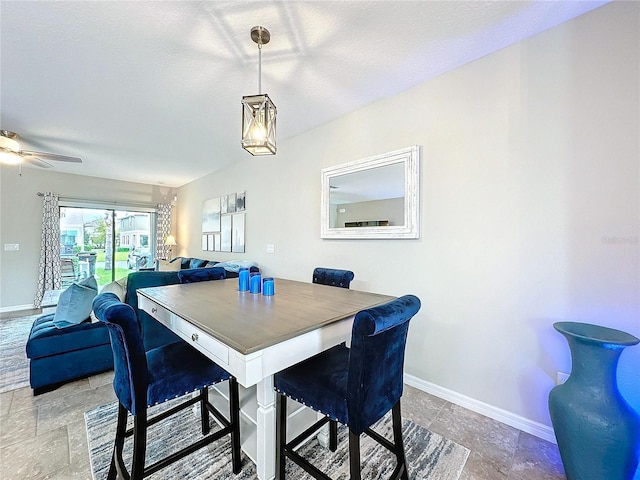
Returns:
(163, 230)
(49, 277)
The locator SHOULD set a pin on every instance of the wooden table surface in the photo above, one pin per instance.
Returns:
(250, 322)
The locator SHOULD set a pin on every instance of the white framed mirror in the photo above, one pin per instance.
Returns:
(375, 197)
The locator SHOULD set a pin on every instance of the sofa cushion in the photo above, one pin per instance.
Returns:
(46, 339)
(118, 287)
(192, 262)
(193, 275)
(166, 266)
(236, 265)
(45, 372)
(197, 263)
(74, 304)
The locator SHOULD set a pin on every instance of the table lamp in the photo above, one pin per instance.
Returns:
(170, 242)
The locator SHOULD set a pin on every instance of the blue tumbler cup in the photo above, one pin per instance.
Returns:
(268, 287)
(254, 282)
(243, 279)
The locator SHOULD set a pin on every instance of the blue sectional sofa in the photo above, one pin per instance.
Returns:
(57, 356)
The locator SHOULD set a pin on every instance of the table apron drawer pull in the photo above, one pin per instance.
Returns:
(154, 310)
(214, 349)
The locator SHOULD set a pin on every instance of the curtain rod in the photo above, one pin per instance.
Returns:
(104, 202)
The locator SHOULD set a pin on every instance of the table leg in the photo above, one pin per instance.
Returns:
(266, 434)
(323, 434)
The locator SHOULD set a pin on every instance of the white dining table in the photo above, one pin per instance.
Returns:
(253, 336)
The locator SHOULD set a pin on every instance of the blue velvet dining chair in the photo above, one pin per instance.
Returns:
(143, 379)
(332, 277)
(355, 386)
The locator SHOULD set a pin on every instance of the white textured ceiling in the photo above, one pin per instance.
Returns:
(150, 91)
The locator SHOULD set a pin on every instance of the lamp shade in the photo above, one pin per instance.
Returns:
(170, 241)
(258, 125)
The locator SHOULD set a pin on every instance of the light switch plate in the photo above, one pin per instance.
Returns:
(11, 247)
(271, 248)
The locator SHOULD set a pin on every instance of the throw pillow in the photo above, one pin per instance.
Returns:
(75, 303)
(119, 287)
(197, 263)
(165, 266)
(115, 287)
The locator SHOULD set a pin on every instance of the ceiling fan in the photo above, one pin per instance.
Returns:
(11, 153)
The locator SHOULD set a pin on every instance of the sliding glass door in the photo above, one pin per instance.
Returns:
(104, 243)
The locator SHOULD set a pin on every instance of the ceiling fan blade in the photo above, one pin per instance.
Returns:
(51, 156)
(35, 161)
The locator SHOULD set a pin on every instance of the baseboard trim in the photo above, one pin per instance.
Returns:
(534, 428)
(16, 308)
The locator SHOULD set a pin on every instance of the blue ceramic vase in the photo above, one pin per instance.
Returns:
(598, 432)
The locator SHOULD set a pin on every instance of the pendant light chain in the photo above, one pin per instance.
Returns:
(260, 68)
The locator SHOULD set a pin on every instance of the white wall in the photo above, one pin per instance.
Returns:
(530, 211)
(21, 220)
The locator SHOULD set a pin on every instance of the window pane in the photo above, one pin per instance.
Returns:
(90, 246)
(133, 230)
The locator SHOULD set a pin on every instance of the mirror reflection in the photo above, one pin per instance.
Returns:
(376, 197)
(368, 198)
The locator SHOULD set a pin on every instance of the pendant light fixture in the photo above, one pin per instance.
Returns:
(258, 111)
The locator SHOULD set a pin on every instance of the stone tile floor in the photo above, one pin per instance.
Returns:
(44, 437)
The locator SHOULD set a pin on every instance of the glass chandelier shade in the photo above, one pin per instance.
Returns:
(258, 125)
(258, 111)
(9, 149)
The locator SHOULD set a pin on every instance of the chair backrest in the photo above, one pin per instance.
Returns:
(202, 274)
(376, 360)
(131, 379)
(154, 334)
(332, 277)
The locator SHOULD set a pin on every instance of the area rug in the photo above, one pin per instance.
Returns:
(14, 365)
(430, 456)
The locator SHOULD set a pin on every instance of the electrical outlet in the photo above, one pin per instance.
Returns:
(271, 248)
(561, 377)
(11, 247)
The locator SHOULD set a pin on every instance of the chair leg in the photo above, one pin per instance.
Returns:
(139, 445)
(397, 440)
(116, 458)
(204, 412)
(234, 415)
(354, 456)
(281, 434)
(333, 435)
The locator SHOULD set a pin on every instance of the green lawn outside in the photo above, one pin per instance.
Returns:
(120, 256)
(104, 276)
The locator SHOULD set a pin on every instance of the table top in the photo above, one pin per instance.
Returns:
(250, 322)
